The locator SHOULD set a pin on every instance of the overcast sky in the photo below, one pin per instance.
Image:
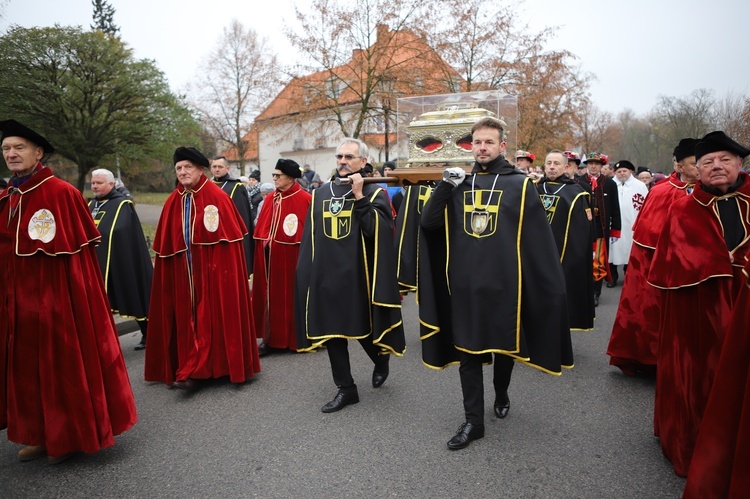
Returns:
(637, 49)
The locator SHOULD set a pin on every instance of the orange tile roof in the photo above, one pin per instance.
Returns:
(251, 153)
(417, 68)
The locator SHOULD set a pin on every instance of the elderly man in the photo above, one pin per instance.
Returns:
(483, 267)
(200, 318)
(644, 175)
(278, 234)
(123, 255)
(634, 342)
(606, 212)
(631, 195)
(238, 193)
(346, 285)
(698, 263)
(569, 214)
(64, 386)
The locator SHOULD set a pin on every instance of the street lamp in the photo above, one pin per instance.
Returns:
(387, 83)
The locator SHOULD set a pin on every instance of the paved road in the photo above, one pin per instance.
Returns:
(587, 433)
(148, 213)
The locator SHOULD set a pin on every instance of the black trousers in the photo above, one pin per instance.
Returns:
(613, 271)
(338, 353)
(472, 383)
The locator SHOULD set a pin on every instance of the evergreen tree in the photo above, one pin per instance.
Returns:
(104, 15)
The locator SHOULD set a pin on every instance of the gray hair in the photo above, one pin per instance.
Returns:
(364, 151)
(104, 172)
(266, 187)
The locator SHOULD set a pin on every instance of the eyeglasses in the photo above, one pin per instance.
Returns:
(348, 157)
(276, 175)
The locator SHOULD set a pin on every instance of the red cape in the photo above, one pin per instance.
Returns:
(278, 234)
(200, 322)
(701, 279)
(63, 380)
(721, 463)
(634, 342)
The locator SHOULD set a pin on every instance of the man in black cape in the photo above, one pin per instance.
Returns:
(345, 286)
(407, 235)
(123, 254)
(490, 279)
(238, 193)
(569, 214)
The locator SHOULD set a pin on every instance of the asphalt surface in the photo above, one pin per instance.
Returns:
(587, 433)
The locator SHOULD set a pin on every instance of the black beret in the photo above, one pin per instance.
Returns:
(719, 141)
(289, 167)
(684, 149)
(255, 174)
(625, 164)
(12, 128)
(642, 169)
(191, 154)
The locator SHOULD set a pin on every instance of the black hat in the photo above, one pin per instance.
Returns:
(719, 141)
(12, 128)
(191, 154)
(625, 164)
(255, 174)
(642, 169)
(684, 149)
(289, 167)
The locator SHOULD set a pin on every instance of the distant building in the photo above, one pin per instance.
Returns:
(300, 123)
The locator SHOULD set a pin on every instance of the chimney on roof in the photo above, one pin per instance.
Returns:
(382, 32)
(356, 53)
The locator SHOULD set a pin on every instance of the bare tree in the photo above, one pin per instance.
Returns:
(237, 81)
(358, 57)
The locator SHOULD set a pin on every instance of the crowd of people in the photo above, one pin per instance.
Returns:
(234, 256)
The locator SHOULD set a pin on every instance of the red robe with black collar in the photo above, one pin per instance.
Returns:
(700, 278)
(63, 380)
(200, 321)
(278, 235)
(634, 343)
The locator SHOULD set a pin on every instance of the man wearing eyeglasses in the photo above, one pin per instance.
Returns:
(278, 234)
(697, 263)
(346, 286)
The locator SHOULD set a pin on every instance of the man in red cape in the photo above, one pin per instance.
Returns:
(634, 343)
(721, 464)
(698, 264)
(64, 386)
(278, 234)
(200, 322)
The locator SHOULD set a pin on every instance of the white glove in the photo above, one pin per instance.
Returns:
(613, 240)
(454, 175)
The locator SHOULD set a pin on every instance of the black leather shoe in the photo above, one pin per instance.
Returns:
(141, 345)
(379, 375)
(189, 385)
(596, 301)
(343, 398)
(502, 407)
(262, 350)
(466, 433)
(612, 284)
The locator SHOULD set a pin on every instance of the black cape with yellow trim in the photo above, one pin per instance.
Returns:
(499, 288)
(568, 210)
(345, 284)
(123, 255)
(407, 236)
(238, 193)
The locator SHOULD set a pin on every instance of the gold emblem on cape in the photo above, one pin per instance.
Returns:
(481, 221)
(42, 226)
(549, 201)
(337, 225)
(211, 218)
(291, 223)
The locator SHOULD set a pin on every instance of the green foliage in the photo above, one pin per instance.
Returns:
(94, 102)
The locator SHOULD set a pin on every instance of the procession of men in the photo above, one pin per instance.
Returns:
(508, 265)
